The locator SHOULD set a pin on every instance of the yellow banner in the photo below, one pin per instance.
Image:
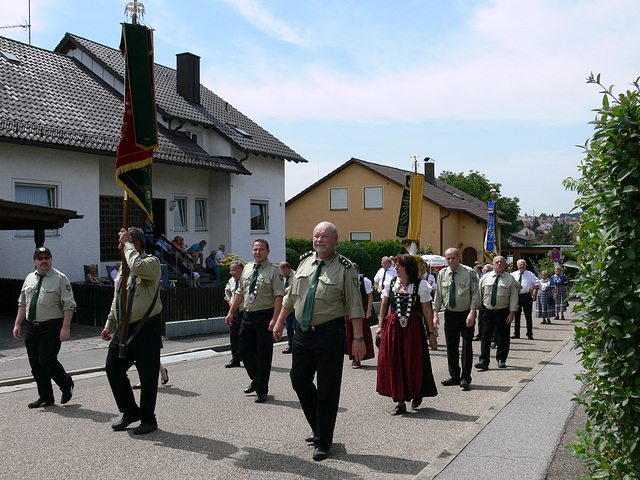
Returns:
(415, 207)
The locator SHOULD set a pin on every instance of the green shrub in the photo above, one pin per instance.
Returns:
(293, 257)
(607, 286)
(356, 253)
(300, 245)
(379, 249)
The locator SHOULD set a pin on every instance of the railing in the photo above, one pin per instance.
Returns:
(94, 302)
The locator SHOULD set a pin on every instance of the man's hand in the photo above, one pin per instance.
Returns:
(276, 326)
(511, 316)
(65, 332)
(471, 319)
(106, 334)
(358, 349)
(124, 236)
(16, 331)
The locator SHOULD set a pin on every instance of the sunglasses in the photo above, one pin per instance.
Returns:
(47, 257)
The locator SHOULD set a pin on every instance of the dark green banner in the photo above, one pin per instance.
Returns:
(403, 218)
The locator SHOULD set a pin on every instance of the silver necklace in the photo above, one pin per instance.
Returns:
(404, 302)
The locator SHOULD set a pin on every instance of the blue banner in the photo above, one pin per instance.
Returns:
(490, 227)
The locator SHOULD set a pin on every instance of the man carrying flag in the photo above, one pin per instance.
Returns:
(136, 302)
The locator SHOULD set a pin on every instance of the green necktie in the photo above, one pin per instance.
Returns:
(520, 279)
(452, 291)
(311, 296)
(494, 291)
(286, 282)
(254, 278)
(34, 299)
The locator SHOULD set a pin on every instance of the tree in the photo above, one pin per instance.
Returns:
(477, 185)
(535, 224)
(608, 311)
(560, 234)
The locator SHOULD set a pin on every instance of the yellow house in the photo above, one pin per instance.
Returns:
(362, 199)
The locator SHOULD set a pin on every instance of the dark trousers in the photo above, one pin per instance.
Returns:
(319, 351)
(234, 332)
(455, 326)
(256, 347)
(43, 344)
(494, 320)
(525, 304)
(144, 349)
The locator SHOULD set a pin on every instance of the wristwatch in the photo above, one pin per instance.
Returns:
(359, 339)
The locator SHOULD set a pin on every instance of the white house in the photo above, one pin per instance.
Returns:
(217, 175)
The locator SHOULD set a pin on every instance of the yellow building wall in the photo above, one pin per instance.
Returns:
(314, 207)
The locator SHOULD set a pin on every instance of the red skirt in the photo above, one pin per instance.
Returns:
(404, 366)
(368, 339)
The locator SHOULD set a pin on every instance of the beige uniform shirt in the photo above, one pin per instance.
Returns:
(269, 285)
(467, 291)
(54, 298)
(230, 291)
(147, 270)
(507, 296)
(337, 293)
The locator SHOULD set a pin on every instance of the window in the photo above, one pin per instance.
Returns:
(372, 197)
(111, 222)
(259, 216)
(201, 214)
(34, 194)
(339, 198)
(179, 213)
(193, 136)
(360, 236)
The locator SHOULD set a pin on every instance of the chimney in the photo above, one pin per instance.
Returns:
(429, 170)
(188, 77)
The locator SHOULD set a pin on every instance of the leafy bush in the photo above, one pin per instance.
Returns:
(379, 249)
(607, 287)
(356, 253)
(293, 257)
(300, 245)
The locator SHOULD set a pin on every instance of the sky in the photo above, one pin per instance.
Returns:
(495, 86)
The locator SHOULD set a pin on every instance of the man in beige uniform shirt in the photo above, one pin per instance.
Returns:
(260, 292)
(46, 301)
(458, 294)
(235, 268)
(500, 299)
(144, 343)
(325, 288)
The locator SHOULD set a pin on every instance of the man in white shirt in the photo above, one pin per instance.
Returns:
(385, 272)
(529, 283)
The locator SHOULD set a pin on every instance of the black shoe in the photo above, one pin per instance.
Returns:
(319, 454)
(515, 336)
(144, 428)
(415, 403)
(530, 337)
(40, 402)
(465, 384)
(502, 364)
(287, 350)
(262, 397)
(477, 338)
(250, 389)
(482, 366)
(67, 394)
(164, 382)
(399, 410)
(450, 381)
(124, 422)
(309, 438)
(232, 364)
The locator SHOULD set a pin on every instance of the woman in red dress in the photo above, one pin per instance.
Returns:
(404, 367)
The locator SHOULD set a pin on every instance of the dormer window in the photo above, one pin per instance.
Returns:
(193, 136)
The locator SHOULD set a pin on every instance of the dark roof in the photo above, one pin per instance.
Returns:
(439, 192)
(51, 99)
(213, 112)
(24, 216)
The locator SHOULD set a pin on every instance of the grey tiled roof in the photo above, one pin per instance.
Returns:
(439, 192)
(213, 112)
(52, 99)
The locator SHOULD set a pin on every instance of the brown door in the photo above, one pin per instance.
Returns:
(469, 256)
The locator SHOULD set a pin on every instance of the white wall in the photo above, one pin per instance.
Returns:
(76, 178)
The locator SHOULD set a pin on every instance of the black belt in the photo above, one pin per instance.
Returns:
(525, 293)
(37, 324)
(331, 323)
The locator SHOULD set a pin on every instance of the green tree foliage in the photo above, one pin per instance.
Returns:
(560, 234)
(607, 287)
(300, 245)
(479, 186)
(356, 253)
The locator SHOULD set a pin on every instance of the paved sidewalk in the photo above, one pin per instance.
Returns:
(209, 429)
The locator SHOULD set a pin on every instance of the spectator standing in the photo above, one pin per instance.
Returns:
(561, 292)
(46, 302)
(545, 294)
(529, 283)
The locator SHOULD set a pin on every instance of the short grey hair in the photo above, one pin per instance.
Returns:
(137, 235)
(237, 263)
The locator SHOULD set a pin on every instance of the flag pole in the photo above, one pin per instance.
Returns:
(124, 270)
